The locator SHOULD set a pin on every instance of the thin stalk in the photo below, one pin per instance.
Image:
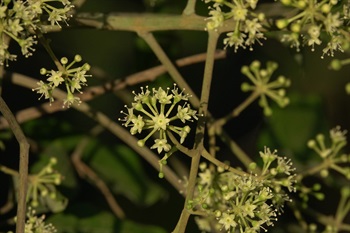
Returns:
(23, 164)
(200, 130)
(164, 59)
(190, 7)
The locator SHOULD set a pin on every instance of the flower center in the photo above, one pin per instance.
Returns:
(160, 122)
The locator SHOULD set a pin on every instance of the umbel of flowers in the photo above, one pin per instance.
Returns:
(43, 184)
(248, 24)
(263, 86)
(73, 79)
(157, 111)
(243, 203)
(19, 19)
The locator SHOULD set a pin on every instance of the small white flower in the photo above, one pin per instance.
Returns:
(235, 39)
(2, 11)
(337, 135)
(42, 89)
(217, 18)
(14, 26)
(163, 96)
(314, 33)
(205, 177)
(160, 145)
(160, 122)
(70, 100)
(183, 113)
(227, 220)
(55, 78)
(138, 125)
(239, 13)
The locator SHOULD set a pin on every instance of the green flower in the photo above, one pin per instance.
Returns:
(263, 87)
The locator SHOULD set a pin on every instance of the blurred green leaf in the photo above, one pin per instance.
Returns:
(121, 168)
(291, 127)
(86, 218)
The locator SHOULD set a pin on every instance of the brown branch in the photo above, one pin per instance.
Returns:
(23, 164)
(85, 171)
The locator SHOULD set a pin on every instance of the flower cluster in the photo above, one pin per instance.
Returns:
(331, 155)
(248, 24)
(73, 78)
(42, 184)
(262, 85)
(157, 111)
(35, 224)
(315, 22)
(243, 203)
(19, 19)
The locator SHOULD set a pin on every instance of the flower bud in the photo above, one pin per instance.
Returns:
(64, 60)
(281, 23)
(77, 58)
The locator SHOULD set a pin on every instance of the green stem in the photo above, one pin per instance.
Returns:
(164, 59)
(48, 49)
(225, 166)
(234, 147)
(180, 147)
(8, 171)
(190, 7)
(23, 164)
(200, 130)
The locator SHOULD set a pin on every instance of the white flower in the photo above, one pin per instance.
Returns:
(314, 33)
(227, 220)
(239, 13)
(70, 100)
(205, 177)
(26, 45)
(138, 125)
(337, 135)
(183, 133)
(235, 39)
(43, 89)
(160, 122)
(248, 209)
(183, 113)
(143, 96)
(162, 96)
(55, 78)
(2, 11)
(160, 145)
(14, 26)
(217, 18)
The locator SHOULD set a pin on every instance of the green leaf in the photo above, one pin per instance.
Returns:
(122, 170)
(291, 127)
(86, 218)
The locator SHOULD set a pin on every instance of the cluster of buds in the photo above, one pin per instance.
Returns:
(42, 184)
(157, 111)
(262, 86)
(37, 224)
(309, 19)
(331, 155)
(243, 203)
(248, 24)
(73, 78)
(19, 19)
